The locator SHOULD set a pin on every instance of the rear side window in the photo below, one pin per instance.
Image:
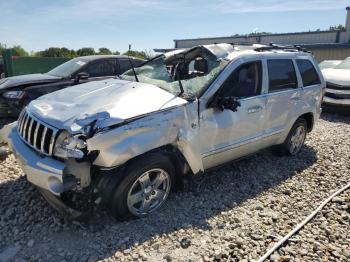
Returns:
(101, 68)
(308, 72)
(137, 62)
(281, 75)
(124, 65)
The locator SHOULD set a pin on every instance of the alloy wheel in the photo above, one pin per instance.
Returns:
(297, 140)
(148, 192)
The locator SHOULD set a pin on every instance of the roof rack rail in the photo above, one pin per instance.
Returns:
(292, 48)
(241, 43)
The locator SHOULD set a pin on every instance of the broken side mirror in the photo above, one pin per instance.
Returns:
(228, 102)
(82, 76)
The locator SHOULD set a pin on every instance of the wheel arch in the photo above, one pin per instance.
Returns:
(176, 157)
(309, 118)
(107, 180)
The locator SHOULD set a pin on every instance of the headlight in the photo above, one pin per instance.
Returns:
(67, 146)
(13, 94)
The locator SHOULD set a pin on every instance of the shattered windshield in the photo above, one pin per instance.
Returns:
(195, 73)
(344, 65)
(67, 68)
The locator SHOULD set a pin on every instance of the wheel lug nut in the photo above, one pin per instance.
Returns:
(153, 192)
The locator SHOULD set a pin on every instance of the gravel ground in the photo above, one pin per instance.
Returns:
(234, 213)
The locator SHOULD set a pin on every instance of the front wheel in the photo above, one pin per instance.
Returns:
(295, 139)
(145, 188)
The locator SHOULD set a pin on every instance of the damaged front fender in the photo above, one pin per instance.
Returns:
(177, 126)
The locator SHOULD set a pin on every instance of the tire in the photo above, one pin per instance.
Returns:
(138, 196)
(294, 141)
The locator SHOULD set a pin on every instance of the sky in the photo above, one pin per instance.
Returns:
(148, 24)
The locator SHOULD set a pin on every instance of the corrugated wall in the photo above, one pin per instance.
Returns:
(331, 53)
(285, 39)
(342, 37)
(325, 37)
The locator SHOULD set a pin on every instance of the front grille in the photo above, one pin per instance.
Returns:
(337, 96)
(36, 134)
(337, 87)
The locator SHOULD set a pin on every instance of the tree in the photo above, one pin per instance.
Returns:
(104, 51)
(19, 51)
(138, 54)
(65, 52)
(116, 53)
(149, 54)
(2, 48)
(57, 52)
(86, 51)
(337, 27)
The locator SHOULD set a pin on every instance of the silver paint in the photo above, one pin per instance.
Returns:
(131, 119)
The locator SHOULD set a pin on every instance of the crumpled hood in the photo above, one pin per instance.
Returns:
(337, 76)
(112, 101)
(26, 79)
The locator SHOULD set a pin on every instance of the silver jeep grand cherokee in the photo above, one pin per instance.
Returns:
(126, 142)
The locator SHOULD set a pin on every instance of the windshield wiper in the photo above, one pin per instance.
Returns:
(132, 66)
(179, 80)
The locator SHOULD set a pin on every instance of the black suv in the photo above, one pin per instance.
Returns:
(18, 91)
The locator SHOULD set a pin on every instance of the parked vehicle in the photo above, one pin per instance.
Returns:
(329, 64)
(127, 142)
(18, 91)
(337, 96)
(2, 69)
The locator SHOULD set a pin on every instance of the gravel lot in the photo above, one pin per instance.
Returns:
(234, 213)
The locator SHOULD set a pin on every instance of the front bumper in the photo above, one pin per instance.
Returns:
(64, 209)
(42, 171)
(336, 99)
(336, 102)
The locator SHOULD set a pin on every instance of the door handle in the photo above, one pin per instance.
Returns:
(254, 109)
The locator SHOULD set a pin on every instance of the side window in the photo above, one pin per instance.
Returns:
(101, 68)
(245, 81)
(281, 75)
(308, 72)
(137, 62)
(124, 65)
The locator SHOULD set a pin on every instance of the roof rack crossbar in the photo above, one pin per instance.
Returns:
(292, 48)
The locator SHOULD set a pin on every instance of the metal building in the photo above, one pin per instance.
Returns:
(326, 45)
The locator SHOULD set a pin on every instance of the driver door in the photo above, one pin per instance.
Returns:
(226, 135)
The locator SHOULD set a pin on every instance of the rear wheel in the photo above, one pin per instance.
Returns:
(295, 139)
(145, 188)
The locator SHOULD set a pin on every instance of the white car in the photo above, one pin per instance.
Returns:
(337, 95)
(329, 64)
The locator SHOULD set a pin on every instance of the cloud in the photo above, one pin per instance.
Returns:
(93, 9)
(39, 23)
(264, 6)
(40, 12)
